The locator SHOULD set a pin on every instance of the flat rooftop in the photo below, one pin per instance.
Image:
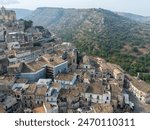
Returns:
(46, 60)
(65, 76)
(56, 85)
(41, 91)
(23, 51)
(6, 79)
(21, 80)
(34, 66)
(31, 89)
(53, 60)
(96, 88)
(17, 65)
(74, 92)
(44, 81)
(14, 33)
(18, 86)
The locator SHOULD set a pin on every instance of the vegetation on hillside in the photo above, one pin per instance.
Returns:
(102, 33)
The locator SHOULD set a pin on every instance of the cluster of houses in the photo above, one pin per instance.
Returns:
(37, 83)
(52, 78)
(56, 82)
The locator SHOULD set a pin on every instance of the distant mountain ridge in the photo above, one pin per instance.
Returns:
(135, 17)
(22, 13)
(123, 40)
(89, 24)
(26, 13)
(94, 29)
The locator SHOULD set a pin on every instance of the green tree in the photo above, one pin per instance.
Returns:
(28, 24)
(135, 49)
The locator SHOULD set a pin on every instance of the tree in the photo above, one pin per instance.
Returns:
(28, 24)
(135, 49)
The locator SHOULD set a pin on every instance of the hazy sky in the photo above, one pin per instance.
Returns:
(141, 7)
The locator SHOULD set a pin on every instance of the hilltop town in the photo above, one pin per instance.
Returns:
(39, 73)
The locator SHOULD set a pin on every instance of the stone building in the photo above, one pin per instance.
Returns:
(7, 15)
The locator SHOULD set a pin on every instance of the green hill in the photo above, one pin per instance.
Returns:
(100, 32)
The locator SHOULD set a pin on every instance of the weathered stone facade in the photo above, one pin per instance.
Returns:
(7, 15)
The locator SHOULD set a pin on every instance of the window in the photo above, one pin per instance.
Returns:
(38, 102)
(90, 96)
(107, 98)
(98, 97)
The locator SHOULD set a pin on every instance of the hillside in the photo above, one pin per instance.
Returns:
(138, 18)
(22, 13)
(100, 32)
